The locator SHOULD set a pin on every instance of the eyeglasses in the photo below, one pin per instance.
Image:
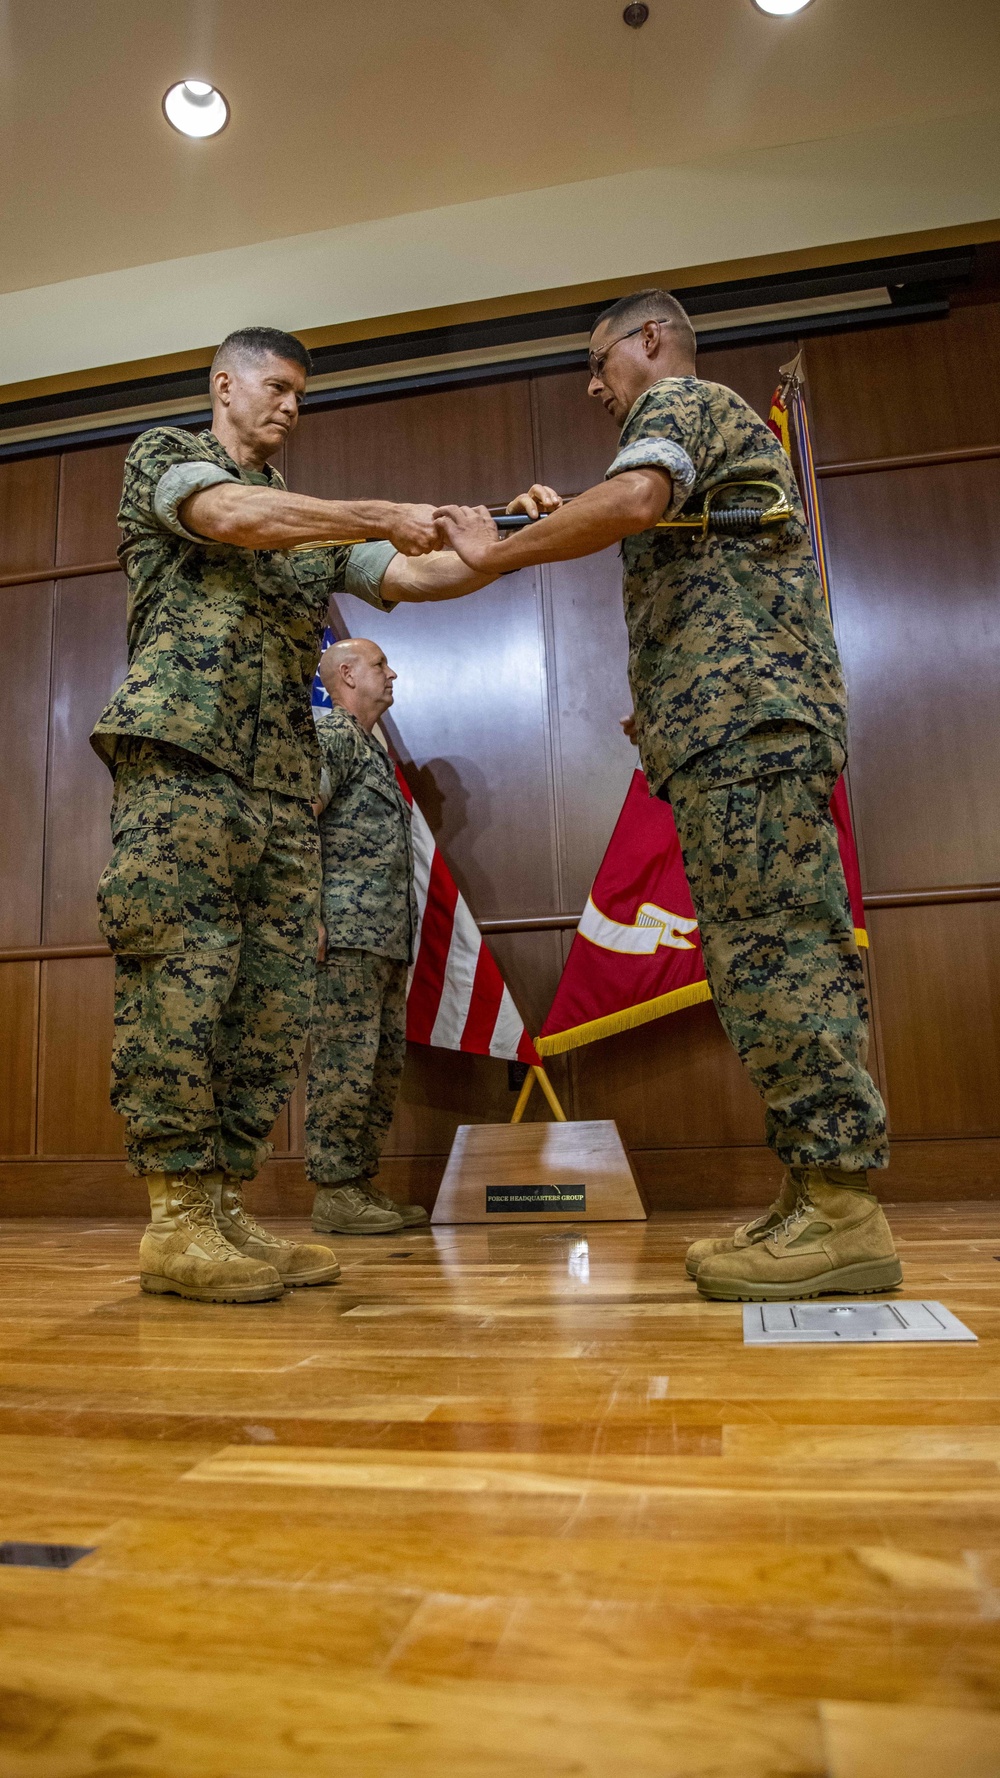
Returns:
(597, 360)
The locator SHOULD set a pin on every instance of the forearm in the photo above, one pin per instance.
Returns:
(269, 518)
(601, 516)
(441, 575)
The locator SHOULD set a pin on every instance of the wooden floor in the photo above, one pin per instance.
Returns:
(502, 1502)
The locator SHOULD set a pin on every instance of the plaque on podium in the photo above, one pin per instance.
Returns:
(535, 1173)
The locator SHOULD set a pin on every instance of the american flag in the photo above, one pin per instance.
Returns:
(456, 998)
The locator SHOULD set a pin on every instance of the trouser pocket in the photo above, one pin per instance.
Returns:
(755, 826)
(138, 896)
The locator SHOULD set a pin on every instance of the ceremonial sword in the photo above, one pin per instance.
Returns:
(724, 521)
(731, 521)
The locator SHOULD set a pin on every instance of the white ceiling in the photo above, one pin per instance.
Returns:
(346, 112)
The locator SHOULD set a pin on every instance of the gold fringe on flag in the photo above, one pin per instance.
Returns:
(626, 1020)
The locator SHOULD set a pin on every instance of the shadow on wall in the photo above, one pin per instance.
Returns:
(455, 798)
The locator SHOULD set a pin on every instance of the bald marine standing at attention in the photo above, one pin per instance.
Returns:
(369, 913)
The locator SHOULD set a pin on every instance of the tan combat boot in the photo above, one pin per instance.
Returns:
(414, 1216)
(347, 1210)
(750, 1232)
(183, 1252)
(836, 1240)
(296, 1262)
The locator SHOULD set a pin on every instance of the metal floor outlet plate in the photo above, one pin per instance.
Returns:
(43, 1555)
(848, 1324)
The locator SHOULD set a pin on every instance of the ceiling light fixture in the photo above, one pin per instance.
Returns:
(781, 8)
(195, 108)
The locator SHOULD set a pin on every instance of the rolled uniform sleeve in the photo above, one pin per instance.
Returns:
(176, 485)
(366, 566)
(663, 431)
(163, 468)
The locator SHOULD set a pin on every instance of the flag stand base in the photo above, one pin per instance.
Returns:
(533, 1173)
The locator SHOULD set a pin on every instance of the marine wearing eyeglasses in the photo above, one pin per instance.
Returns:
(740, 719)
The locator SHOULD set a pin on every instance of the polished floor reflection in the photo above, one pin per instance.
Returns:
(502, 1502)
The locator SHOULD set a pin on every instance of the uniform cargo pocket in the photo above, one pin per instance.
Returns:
(138, 896)
(760, 842)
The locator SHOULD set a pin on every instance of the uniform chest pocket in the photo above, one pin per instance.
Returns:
(382, 784)
(138, 896)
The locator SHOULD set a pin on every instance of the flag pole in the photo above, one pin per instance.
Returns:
(539, 1074)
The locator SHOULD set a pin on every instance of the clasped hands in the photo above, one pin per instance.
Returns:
(468, 530)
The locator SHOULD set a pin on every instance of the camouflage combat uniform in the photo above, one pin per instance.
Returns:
(741, 721)
(358, 1037)
(211, 895)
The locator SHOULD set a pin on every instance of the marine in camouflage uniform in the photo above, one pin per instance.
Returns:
(211, 896)
(741, 721)
(358, 1036)
(740, 718)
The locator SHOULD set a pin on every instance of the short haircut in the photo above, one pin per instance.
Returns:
(651, 305)
(262, 342)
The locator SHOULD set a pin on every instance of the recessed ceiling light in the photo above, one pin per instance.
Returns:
(195, 108)
(780, 8)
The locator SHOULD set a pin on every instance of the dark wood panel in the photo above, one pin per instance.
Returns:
(440, 1090)
(937, 974)
(914, 564)
(297, 1112)
(703, 1179)
(71, 1188)
(531, 964)
(753, 371)
(589, 694)
(471, 720)
(575, 440)
(28, 496)
(887, 392)
(18, 1053)
(675, 1081)
(88, 664)
(74, 1113)
(279, 1135)
(469, 445)
(89, 492)
(25, 652)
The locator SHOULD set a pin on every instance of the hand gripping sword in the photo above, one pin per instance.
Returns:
(724, 521)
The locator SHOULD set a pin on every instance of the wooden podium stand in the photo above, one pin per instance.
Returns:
(537, 1173)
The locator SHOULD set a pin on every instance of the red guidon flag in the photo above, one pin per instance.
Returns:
(636, 954)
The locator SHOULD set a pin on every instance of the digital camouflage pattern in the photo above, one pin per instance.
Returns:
(725, 633)
(223, 642)
(365, 833)
(358, 1043)
(210, 903)
(762, 860)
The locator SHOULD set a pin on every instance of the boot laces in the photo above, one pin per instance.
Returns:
(197, 1209)
(237, 1212)
(358, 1199)
(802, 1209)
(381, 1199)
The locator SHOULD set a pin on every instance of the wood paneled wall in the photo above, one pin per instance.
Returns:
(506, 716)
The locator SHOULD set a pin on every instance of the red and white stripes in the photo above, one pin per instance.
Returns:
(456, 996)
